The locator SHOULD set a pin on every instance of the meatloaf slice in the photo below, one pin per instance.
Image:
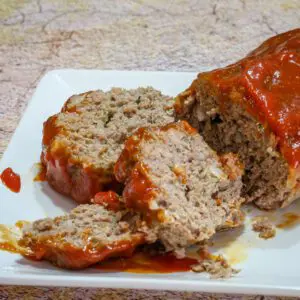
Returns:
(87, 235)
(253, 108)
(179, 184)
(82, 143)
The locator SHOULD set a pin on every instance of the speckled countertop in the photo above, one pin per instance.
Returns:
(177, 35)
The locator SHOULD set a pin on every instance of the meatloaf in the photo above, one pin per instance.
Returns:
(179, 184)
(252, 108)
(83, 141)
(87, 235)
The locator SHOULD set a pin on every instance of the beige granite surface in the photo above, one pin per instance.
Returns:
(173, 35)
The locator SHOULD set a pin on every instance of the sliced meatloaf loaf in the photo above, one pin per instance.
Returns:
(179, 184)
(252, 108)
(83, 141)
(87, 235)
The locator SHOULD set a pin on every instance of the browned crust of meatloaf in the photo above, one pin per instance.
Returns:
(228, 127)
(82, 143)
(85, 236)
(179, 184)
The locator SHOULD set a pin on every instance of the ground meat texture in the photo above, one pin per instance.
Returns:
(252, 108)
(217, 267)
(179, 185)
(82, 143)
(87, 235)
(264, 227)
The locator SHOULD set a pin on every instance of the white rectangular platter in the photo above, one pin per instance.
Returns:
(267, 267)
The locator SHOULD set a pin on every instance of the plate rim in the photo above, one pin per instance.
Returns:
(208, 286)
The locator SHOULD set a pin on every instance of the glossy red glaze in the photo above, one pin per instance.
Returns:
(49, 130)
(269, 81)
(139, 190)
(72, 257)
(109, 199)
(11, 180)
(41, 175)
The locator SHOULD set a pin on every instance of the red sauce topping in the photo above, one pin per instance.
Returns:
(139, 262)
(53, 152)
(41, 176)
(142, 262)
(72, 109)
(11, 180)
(129, 155)
(88, 254)
(139, 190)
(269, 81)
(109, 199)
(77, 258)
(49, 130)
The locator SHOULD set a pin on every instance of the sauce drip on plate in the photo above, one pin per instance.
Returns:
(11, 180)
(142, 262)
(9, 237)
(289, 220)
